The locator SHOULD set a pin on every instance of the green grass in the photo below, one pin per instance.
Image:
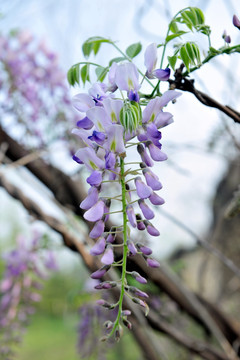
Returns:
(52, 338)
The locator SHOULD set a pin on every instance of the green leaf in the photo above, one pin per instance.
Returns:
(172, 61)
(190, 52)
(73, 75)
(173, 27)
(93, 45)
(133, 50)
(116, 60)
(200, 16)
(185, 58)
(178, 34)
(101, 73)
(197, 55)
(85, 73)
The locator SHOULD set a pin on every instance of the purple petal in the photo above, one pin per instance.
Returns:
(108, 257)
(113, 108)
(98, 137)
(155, 152)
(162, 74)
(163, 119)
(95, 178)
(143, 190)
(100, 273)
(88, 156)
(99, 247)
(156, 199)
(153, 132)
(150, 57)
(91, 198)
(138, 277)
(97, 230)
(133, 96)
(236, 21)
(152, 179)
(115, 139)
(131, 247)
(131, 215)
(147, 212)
(151, 229)
(144, 249)
(96, 212)
(85, 123)
(75, 158)
(138, 292)
(127, 77)
(152, 263)
(110, 160)
(111, 237)
(82, 102)
(99, 117)
(144, 155)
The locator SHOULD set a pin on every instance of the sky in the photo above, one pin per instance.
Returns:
(192, 172)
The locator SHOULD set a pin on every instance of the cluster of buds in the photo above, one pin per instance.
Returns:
(31, 79)
(236, 23)
(112, 120)
(19, 290)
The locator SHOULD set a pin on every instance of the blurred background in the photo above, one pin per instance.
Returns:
(199, 143)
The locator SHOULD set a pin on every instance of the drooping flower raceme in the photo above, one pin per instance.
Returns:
(109, 125)
(19, 290)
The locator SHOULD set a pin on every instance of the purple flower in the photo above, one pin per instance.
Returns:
(155, 152)
(236, 21)
(144, 155)
(96, 212)
(156, 199)
(95, 178)
(97, 230)
(147, 212)
(137, 292)
(98, 137)
(138, 277)
(91, 198)
(126, 77)
(151, 229)
(152, 262)
(111, 237)
(108, 257)
(100, 272)
(144, 249)
(162, 74)
(85, 123)
(112, 108)
(150, 61)
(131, 215)
(110, 160)
(133, 96)
(105, 285)
(143, 190)
(131, 247)
(151, 179)
(88, 156)
(99, 247)
(150, 57)
(83, 102)
(115, 139)
(140, 224)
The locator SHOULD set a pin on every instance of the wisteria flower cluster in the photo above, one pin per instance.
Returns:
(19, 290)
(34, 93)
(112, 120)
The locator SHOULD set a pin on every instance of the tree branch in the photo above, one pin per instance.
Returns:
(184, 84)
